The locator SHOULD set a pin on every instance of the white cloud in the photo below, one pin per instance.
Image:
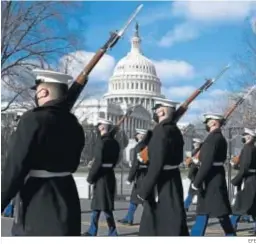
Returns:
(190, 117)
(218, 92)
(76, 62)
(162, 12)
(173, 70)
(201, 105)
(253, 24)
(178, 91)
(213, 11)
(180, 33)
(200, 15)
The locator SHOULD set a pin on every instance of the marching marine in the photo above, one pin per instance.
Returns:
(193, 164)
(44, 152)
(245, 203)
(161, 190)
(136, 174)
(210, 181)
(102, 177)
(235, 164)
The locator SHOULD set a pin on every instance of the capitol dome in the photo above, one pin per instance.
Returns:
(134, 80)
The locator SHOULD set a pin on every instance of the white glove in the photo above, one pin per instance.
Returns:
(128, 182)
(139, 158)
(193, 187)
(195, 160)
(140, 198)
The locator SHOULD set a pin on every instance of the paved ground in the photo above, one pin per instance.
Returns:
(121, 209)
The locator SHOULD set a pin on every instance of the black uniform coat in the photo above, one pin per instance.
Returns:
(245, 202)
(107, 151)
(167, 217)
(47, 138)
(193, 169)
(136, 173)
(213, 194)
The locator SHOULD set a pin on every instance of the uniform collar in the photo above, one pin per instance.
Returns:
(218, 130)
(57, 103)
(167, 121)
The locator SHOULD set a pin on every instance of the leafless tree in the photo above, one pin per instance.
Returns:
(30, 38)
(245, 64)
(7, 128)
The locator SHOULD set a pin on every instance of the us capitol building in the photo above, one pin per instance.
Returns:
(134, 82)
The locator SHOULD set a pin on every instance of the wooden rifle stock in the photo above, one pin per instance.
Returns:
(82, 79)
(232, 109)
(184, 106)
(237, 103)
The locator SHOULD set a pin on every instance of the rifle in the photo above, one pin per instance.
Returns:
(232, 109)
(129, 111)
(238, 102)
(82, 79)
(184, 106)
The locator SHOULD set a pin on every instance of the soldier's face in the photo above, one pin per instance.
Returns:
(41, 94)
(196, 145)
(160, 111)
(248, 138)
(102, 128)
(140, 137)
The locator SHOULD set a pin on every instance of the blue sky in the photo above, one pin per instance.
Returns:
(188, 41)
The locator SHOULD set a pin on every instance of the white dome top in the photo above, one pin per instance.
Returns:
(134, 61)
(133, 70)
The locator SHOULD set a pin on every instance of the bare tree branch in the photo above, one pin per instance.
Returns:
(11, 101)
(245, 114)
(30, 40)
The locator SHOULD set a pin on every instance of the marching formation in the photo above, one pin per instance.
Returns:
(46, 148)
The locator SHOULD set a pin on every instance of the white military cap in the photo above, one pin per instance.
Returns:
(198, 140)
(141, 131)
(160, 102)
(104, 122)
(212, 116)
(20, 113)
(249, 132)
(49, 76)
